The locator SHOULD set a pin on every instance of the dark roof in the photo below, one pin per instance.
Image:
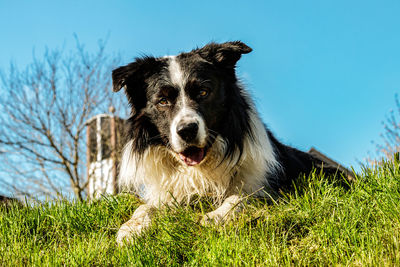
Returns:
(324, 158)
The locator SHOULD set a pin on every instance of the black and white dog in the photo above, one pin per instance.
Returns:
(194, 130)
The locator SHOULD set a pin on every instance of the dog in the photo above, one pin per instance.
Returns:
(194, 131)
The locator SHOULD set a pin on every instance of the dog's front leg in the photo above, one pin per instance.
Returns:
(225, 212)
(141, 220)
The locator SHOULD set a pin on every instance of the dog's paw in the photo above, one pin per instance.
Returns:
(140, 221)
(213, 218)
(129, 230)
(124, 235)
(224, 213)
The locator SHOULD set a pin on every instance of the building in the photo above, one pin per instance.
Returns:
(330, 162)
(104, 145)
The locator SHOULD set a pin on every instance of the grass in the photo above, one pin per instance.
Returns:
(318, 223)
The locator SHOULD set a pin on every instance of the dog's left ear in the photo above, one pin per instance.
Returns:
(225, 54)
(121, 75)
(133, 77)
(133, 74)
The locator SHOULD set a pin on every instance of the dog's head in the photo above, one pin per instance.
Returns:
(184, 102)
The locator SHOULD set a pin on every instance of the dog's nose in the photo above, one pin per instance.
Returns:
(188, 132)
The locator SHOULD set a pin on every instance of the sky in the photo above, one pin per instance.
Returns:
(322, 73)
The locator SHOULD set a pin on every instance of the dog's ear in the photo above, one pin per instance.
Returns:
(120, 75)
(134, 73)
(225, 54)
(134, 77)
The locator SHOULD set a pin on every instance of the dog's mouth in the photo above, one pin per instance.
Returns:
(193, 155)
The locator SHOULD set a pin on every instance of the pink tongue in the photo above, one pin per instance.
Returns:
(192, 156)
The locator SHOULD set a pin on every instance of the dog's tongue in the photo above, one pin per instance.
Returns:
(192, 156)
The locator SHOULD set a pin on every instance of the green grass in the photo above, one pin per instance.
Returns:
(319, 223)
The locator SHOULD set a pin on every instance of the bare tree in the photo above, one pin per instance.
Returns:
(43, 114)
(390, 136)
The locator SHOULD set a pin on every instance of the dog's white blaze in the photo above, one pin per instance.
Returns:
(164, 178)
(177, 76)
(186, 114)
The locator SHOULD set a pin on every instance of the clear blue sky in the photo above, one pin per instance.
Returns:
(323, 73)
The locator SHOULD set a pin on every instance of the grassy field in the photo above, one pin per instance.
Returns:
(319, 223)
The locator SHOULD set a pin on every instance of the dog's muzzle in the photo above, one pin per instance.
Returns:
(189, 133)
(189, 137)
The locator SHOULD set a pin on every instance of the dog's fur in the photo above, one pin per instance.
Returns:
(194, 130)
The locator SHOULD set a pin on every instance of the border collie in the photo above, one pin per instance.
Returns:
(194, 130)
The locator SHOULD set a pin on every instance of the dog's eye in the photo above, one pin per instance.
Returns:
(203, 93)
(163, 101)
